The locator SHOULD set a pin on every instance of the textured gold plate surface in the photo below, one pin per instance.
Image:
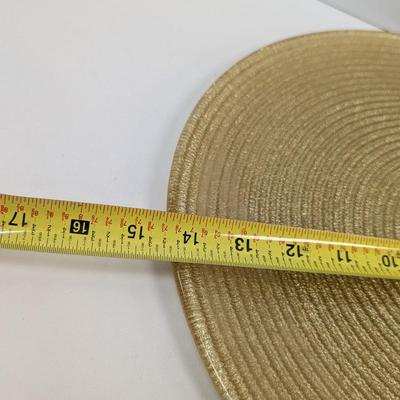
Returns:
(304, 132)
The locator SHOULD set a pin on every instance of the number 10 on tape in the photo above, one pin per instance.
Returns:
(58, 226)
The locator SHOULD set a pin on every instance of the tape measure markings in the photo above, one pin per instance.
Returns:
(59, 226)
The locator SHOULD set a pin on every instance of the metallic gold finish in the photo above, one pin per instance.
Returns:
(305, 132)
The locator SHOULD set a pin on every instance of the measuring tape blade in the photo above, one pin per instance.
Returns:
(58, 226)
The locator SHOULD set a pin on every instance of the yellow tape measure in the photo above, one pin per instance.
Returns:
(92, 229)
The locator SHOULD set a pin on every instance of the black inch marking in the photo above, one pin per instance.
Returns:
(389, 261)
(188, 236)
(346, 256)
(293, 250)
(132, 232)
(79, 226)
(13, 223)
(239, 244)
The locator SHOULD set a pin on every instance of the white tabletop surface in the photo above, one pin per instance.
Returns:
(93, 96)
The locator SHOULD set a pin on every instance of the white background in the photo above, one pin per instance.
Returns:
(384, 14)
(93, 96)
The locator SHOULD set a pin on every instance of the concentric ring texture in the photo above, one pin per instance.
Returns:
(304, 132)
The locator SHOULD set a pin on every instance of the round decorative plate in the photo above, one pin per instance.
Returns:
(304, 132)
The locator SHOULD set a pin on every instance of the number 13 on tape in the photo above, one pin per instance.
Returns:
(58, 226)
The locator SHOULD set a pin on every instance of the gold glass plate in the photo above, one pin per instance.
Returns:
(304, 132)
